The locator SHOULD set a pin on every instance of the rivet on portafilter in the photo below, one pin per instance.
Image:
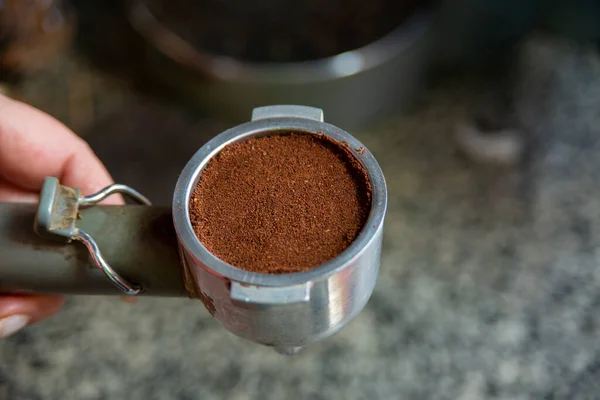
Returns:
(280, 224)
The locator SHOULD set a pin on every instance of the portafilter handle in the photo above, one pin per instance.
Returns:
(69, 245)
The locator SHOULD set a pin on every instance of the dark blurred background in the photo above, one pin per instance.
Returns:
(138, 77)
(485, 118)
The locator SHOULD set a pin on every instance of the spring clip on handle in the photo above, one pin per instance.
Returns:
(57, 215)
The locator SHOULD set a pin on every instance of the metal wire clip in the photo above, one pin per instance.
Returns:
(58, 211)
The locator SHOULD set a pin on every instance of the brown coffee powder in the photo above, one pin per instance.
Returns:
(281, 203)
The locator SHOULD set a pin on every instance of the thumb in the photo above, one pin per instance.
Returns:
(18, 311)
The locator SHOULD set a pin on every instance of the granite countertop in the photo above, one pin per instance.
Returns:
(489, 285)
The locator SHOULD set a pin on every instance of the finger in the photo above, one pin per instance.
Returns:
(34, 145)
(17, 311)
(13, 194)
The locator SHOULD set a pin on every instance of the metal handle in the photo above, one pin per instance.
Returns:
(57, 215)
(126, 287)
(139, 241)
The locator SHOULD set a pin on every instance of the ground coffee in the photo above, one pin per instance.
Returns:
(281, 203)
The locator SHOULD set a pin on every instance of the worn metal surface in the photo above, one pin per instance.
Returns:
(57, 211)
(138, 241)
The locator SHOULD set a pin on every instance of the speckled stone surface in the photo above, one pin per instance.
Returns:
(489, 286)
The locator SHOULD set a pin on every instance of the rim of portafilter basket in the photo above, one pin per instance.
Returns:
(190, 177)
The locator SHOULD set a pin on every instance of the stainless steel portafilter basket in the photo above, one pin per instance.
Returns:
(146, 250)
(290, 310)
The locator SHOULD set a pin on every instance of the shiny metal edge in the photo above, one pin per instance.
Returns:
(190, 176)
(324, 69)
(282, 111)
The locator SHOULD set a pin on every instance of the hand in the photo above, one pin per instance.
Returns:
(33, 145)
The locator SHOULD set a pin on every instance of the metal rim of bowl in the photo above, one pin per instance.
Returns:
(191, 174)
(228, 69)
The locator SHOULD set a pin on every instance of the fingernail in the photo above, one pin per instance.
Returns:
(11, 324)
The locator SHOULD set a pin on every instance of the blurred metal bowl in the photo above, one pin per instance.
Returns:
(352, 88)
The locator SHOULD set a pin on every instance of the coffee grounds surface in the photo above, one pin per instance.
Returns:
(281, 203)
